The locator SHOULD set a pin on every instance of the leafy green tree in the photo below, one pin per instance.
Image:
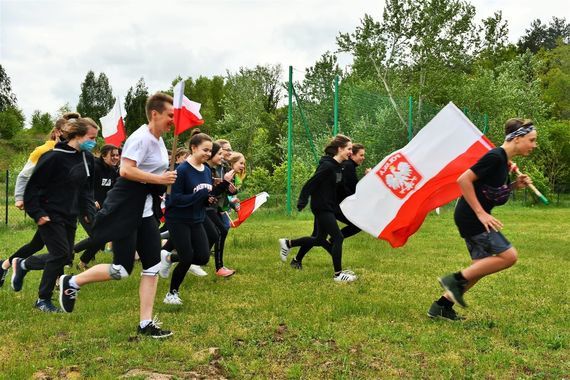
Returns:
(11, 122)
(7, 98)
(541, 36)
(135, 103)
(96, 98)
(41, 122)
(555, 77)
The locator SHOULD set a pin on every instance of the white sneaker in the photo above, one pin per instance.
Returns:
(284, 249)
(172, 298)
(197, 270)
(345, 276)
(165, 264)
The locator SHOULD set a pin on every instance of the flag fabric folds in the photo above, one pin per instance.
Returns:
(393, 199)
(113, 126)
(186, 112)
(248, 207)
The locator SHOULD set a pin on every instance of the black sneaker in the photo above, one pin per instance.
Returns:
(67, 294)
(18, 275)
(442, 312)
(3, 274)
(153, 330)
(455, 288)
(296, 264)
(46, 306)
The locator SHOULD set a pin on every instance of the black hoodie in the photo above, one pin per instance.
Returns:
(322, 187)
(61, 186)
(105, 177)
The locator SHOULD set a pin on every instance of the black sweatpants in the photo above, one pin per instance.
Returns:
(145, 240)
(192, 245)
(325, 225)
(58, 238)
(211, 232)
(216, 219)
(27, 250)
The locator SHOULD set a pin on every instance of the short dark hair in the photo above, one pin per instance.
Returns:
(357, 148)
(106, 149)
(156, 103)
(339, 141)
(513, 124)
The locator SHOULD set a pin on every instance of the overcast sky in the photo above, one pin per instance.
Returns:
(48, 46)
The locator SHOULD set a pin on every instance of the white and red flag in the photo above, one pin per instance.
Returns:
(393, 199)
(248, 207)
(186, 112)
(113, 125)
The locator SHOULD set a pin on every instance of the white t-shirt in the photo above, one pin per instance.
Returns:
(150, 155)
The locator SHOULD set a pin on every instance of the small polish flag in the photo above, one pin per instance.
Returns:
(248, 207)
(186, 112)
(113, 125)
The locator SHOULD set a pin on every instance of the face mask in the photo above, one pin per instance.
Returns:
(87, 146)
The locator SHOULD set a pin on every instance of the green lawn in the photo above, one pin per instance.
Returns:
(270, 321)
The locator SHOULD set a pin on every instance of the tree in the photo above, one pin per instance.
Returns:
(555, 76)
(96, 98)
(135, 103)
(11, 122)
(7, 98)
(41, 122)
(540, 36)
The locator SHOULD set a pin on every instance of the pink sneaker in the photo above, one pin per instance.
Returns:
(225, 272)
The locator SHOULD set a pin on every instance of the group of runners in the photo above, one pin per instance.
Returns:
(63, 183)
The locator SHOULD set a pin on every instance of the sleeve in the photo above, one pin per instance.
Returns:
(22, 180)
(135, 150)
(349, 179)
(39, 180)
(322, 172)
(180, 196)
(487, 164)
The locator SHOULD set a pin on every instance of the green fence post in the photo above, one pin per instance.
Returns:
(410, 118)
(335, 129)
(289, 140)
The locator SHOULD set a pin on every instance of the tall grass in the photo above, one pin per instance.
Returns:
(270, 321)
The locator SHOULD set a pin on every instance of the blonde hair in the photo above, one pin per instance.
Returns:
(235, 157)
(79, 127)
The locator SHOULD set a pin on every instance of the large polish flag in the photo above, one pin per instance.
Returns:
(393, 199)
(113, 125)
(186, 112)
(248, 207)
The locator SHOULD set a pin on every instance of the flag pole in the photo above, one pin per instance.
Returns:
(175, 141)
(542, 198)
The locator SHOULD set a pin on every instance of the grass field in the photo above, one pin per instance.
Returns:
(270, 321)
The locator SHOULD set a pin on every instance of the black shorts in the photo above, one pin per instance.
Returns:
(487, 244)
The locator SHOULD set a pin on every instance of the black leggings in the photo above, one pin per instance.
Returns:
(58, 238)
(325, 225)
(192, 245)
(211, 232)
(216, 219)
(145, 240)
(27, 250)
(347, 231)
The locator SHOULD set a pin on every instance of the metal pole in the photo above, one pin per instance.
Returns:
(335, 129)
(7, 179)
(410, 118)
(289, 140)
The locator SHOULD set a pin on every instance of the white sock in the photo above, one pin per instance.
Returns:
(73, 283)
(23, 264)
(144, 323)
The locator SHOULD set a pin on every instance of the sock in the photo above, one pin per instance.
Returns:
(442, 301)
(459, 276)
(288, 243)
(7, 264)
(144, 323)
(73, 283)
(23, 264)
